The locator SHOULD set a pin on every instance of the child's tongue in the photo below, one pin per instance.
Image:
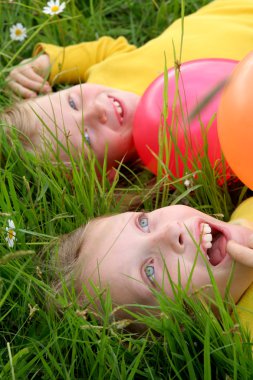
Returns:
(217, 252)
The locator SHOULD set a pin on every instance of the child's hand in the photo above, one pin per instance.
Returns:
(240, 253)
(27, 79)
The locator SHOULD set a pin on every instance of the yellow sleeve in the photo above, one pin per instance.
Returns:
(244, 212)
(70, 64)
(245, 310)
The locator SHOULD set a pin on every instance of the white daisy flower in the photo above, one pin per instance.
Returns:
(10, 233)
(189, 180)
(54, 7)
(187, 183)
(18, 32)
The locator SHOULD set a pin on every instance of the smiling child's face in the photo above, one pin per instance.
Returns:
(89, 116)
(128, 253)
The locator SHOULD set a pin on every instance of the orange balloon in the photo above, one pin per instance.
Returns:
(235, 121)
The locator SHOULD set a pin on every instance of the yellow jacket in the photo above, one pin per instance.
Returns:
(244, 213)
(221, 29)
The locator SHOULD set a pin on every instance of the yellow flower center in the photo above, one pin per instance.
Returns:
(11, 234)
(18, 32)
(54, 8)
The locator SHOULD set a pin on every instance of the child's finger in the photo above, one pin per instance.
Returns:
(240, 254)
(29, 84)
(30, 80)
(35, 85)
(22, 91)
(32, 74)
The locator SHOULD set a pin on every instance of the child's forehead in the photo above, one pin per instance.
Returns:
(106, 230)
(103, 235)
(113, 222)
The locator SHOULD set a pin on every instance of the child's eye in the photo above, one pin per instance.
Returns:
(72, 104)
(150, 272)
(143, 222)
(87, 137)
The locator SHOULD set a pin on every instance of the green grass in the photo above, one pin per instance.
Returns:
(45, 200)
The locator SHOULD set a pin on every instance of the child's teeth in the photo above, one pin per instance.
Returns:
(118, 107)
(205, 228)
(206, 235)
(207, 238)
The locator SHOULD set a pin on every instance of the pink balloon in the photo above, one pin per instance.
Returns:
(196, 80)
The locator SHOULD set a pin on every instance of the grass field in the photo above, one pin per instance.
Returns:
(187, 341)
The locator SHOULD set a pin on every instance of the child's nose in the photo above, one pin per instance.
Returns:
(96, 112)
(172, 235)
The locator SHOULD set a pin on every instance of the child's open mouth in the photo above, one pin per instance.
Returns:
(118, 109)
(214, 243)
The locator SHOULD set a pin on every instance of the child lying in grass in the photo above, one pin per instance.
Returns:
(99, 113)
(134, 253)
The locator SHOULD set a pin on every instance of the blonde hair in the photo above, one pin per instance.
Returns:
(65, 258)
(20, 117)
